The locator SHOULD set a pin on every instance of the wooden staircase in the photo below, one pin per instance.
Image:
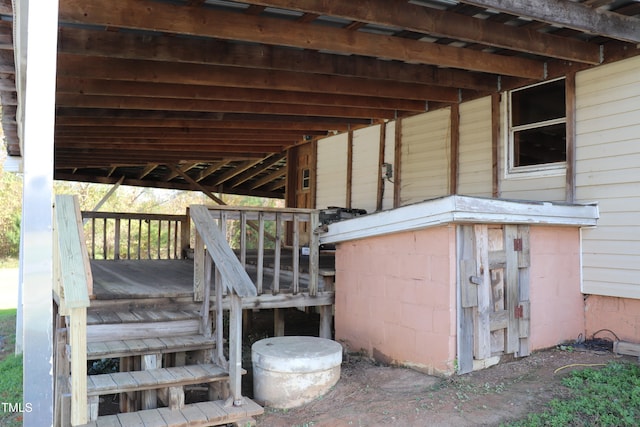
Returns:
(162, 347)
(161, 352)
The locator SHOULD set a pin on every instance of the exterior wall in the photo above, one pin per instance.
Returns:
(619, 315)
(608, 171)
(426, 145)
(557, 306)
(475, 158)
(331, 172)
(396, 298)
(365, 168)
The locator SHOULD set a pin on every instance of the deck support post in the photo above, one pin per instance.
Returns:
(235, 349)
(78, 342)
(278, 322)
(326, 317)
(150, 397)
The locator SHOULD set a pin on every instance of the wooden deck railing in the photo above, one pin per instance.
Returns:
(230, 277)
(71, 289)
(112, 235)
(252, 232)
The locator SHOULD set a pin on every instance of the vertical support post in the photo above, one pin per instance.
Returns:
(275, 288)
(219, 321)
(150, 397)
(36, 25)
(260, 268)
(78, 342)
(243, 238)
(296, 255)
(326, 318)
(235, 348)
(116, 245)
(198, 269)
(129, 238)
(397, 163)
(495, 144)
(381, 147)
(570, 179)
(314, 253)
(205, 324)
(278, 322)
(185, 233)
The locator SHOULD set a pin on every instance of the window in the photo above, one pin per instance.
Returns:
(537, 128)
(306, 179)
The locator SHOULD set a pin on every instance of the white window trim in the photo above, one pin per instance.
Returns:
(531, 171)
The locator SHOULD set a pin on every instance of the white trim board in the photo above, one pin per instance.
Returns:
(460, 209)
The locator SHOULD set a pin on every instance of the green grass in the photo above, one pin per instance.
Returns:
(609, 396)
(10, 369)
(8, 262)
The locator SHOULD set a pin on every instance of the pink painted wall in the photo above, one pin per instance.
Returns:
(396, 295)
(557, 306)
(620, 315)
(396, 298)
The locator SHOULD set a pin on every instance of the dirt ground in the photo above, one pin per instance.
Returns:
(370, 394)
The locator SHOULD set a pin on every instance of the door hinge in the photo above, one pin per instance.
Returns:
(518, 312)
(517, 245)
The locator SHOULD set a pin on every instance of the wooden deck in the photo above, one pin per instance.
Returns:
(171, 278)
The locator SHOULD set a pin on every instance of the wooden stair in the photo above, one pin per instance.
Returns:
(161, 351)
(196, 414)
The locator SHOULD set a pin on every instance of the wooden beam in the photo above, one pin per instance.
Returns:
(571, 15)
(237, 170)
(447, 24)
(260, 29)
(455, 149)
(159, 184)
(210, 134)
(269, 178)
(211, 170)
(93, 101)
(258, 169)
(77, 86)
(219, 119)
(219, 52)
(195, 185)
(77, 66)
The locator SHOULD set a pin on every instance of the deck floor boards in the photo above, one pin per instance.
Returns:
(124, 279)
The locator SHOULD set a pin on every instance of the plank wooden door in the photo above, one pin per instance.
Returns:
(493, 281)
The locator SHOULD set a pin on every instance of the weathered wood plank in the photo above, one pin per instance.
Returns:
(512, 291)
(234, 276)
(235, 348)
(482, 341)
(78, 343)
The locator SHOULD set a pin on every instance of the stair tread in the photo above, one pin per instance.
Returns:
(133, 347)
(194, 414)
(120, 382)
(107, 316)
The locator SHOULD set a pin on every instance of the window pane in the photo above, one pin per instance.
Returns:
(538, 103)
(539, 146)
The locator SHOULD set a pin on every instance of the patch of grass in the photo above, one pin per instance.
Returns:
(10, 369)
(8, 262)
(609, 396)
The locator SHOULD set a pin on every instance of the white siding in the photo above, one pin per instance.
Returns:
(389, 157)
(475, 164)
(426, 142)
(365, 172)
(608, 171)
(331, 173)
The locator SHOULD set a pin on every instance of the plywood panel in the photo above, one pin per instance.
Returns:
(425, 156)
(608, 170)
(332, 172)
(474, 170)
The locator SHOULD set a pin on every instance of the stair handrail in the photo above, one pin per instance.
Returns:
(73, 283)
(234, 276)
(231, 275)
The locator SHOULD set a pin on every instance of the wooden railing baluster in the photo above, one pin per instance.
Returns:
(260, 266)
